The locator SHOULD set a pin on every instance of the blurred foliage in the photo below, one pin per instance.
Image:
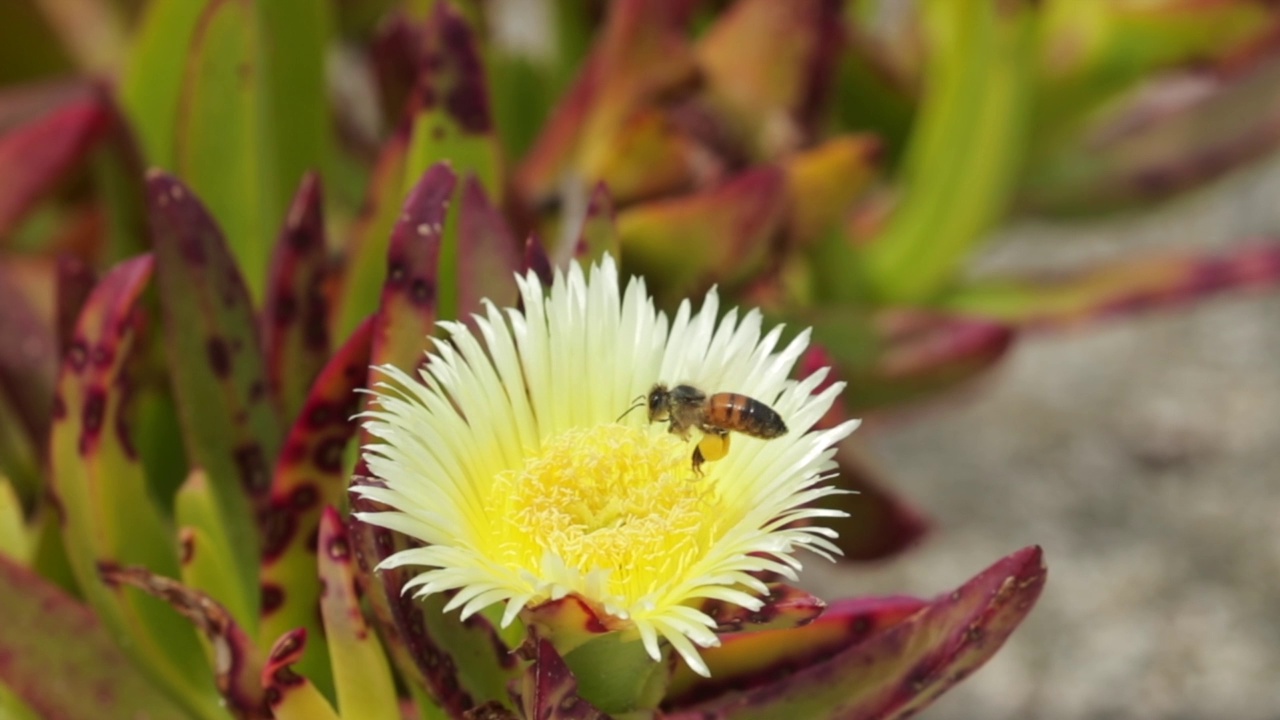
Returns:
(211, 219)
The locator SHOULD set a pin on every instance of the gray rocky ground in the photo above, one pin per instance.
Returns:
(1144, 455)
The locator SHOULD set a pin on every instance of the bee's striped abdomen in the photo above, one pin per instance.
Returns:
(740, 413)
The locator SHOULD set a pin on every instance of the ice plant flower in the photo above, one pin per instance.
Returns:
(506, 456)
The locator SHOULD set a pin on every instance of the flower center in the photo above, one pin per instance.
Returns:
(614, 504)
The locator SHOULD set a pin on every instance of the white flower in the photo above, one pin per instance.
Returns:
(508, 460)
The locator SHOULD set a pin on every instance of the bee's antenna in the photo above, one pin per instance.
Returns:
(637, 403)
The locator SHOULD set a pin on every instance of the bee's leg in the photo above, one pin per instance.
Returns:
(713, 446)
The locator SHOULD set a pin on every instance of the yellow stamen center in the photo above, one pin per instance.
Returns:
(611, 501)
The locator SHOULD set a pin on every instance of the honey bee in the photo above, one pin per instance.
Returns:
(685, 407)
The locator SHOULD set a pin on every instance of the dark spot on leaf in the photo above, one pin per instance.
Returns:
(59, 407)
(328, 454)
(278, 527)
(422, 292)
(321, 414)
(396, 271)
(466, 100)
(303, 497)
(95, 407)
(272, 598)
(252, 464)
(219, 356)
(187, 550)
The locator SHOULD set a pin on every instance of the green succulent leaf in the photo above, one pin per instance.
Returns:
(207, 563)
(231, 95)
(366, 688)
(61, 661)
(599, 236)
(360, 284)
(310, 476)
(109, 519)
(965, 152)
(230, 425)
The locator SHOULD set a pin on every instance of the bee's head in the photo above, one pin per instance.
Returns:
(659, 402)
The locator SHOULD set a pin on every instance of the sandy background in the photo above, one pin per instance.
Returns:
(1143, 455)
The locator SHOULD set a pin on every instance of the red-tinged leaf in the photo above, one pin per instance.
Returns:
(1120, 288)
(362, 676)
(75, 280)
(640, 54)
(898, 671)
(450, 106)
(56, 655)
(395, 53)
(756, 659)
(599, 236)
(207, 564)
(570, 621)
(652, 155)
(408, 311)
(237, 665)
(720, 235)
(461, 665)
(823, 183)
(230, 425)
(548, 690)
(360, 283)
(296, 336)
(107, 512)
(784, 607)
(901, 355)
(488, 254)
(536, 260)
(39, 153)
(28, 356)
(291, 696)
(310, 476)
(767, 66)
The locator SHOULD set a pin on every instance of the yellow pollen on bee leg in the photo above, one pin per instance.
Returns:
(607, 498)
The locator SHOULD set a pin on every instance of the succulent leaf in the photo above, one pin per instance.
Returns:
(719, 235)
(766, 66)
(757, 659)
(230, 425)
(108, 516)
(463, 665)
(784, 607)
(62, 662)
(37, 154)
(207, 563)
(965, 150)
(291, 696)
(547, 689)
(27, 375)
(1119, 288)
(361, 672)
(898, 670)
(310, 476)
(360, 284)
(237, 665)
(488, 255)
(295, 314)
